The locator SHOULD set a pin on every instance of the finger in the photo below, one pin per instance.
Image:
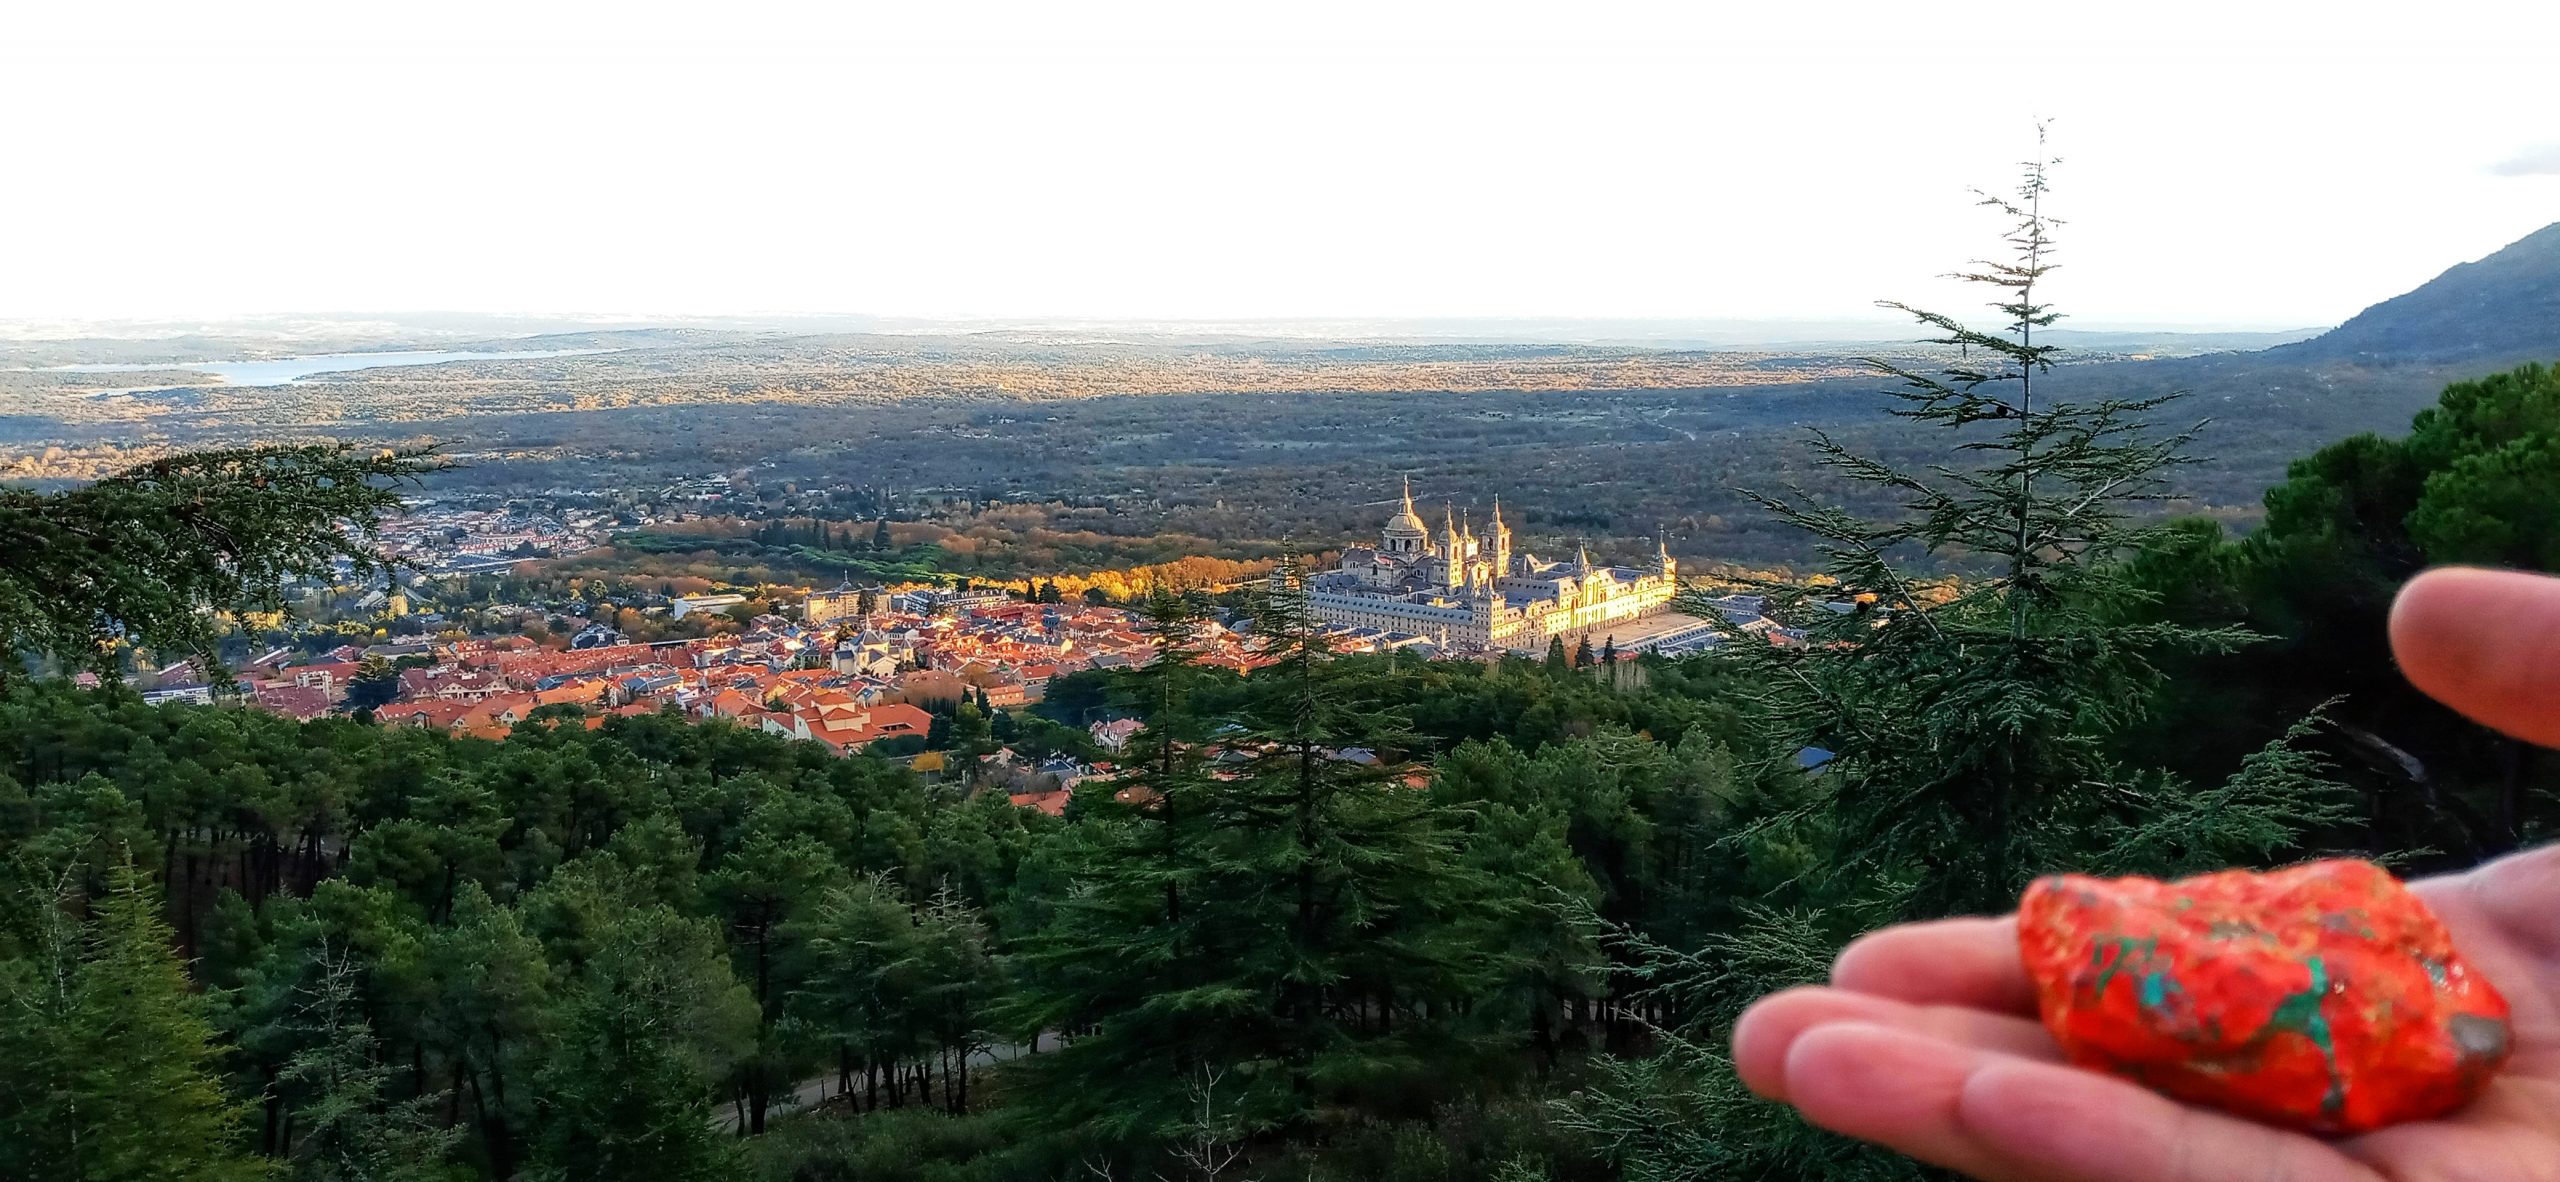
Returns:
(2487, 643)
(1900, 1090)
(2081, 1126)
(2000, 1118)
(1960, 962)
(1761, 1039)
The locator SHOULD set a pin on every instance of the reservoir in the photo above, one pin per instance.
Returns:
(280, 370)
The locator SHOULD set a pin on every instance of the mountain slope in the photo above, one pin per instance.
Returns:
(2505, 307)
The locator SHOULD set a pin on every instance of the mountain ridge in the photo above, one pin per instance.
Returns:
(2504, 307)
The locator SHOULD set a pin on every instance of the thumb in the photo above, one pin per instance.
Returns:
(2487, 643)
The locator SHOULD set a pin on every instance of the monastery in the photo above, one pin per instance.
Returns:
(1470, 591)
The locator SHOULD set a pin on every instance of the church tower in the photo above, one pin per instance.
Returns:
(1405, 536)
(1453, 560)
(1501, 543)
(1662, 543)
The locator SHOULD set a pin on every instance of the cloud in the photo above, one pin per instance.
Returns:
(2543, 160)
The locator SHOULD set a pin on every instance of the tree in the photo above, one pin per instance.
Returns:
(1582, 653)
(655, 1020)
(880, 537)
(1974, 741)
(348, 1129)
(376, 682)
(1555, 653)
(2348, 526)
(113, 1065)
(152, 554)
(757, 888)
(1298, 927)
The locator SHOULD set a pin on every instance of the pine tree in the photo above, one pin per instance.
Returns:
(1556, 659)
(656, 1020)
(1293, 927)
(1972, 739)
(348, 1129)
(1582, 653)
(113, 1068)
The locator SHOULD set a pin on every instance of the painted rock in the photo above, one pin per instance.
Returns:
(2324, 997)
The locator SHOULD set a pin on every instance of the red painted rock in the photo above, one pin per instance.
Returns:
(2323, 997)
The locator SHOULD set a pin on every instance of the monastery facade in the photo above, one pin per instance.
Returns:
(1469, 591)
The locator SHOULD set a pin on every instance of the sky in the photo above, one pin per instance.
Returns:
(2223, 165)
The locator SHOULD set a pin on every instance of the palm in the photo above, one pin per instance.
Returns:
(1926, 1040)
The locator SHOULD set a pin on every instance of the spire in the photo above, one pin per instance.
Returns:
(1497, 512)
(1408, 496)
(1583, 554)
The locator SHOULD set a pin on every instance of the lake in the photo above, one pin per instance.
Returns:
(281, 370)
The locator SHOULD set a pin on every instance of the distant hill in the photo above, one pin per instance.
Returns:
(2503, 308)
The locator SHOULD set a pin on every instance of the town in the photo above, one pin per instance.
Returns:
(882, 671)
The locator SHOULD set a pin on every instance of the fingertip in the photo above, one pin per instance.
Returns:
(2481, 641)
(1762, 1037)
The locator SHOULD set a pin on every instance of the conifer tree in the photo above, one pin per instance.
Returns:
(656, 1020)
(1971, 740)
(1294, 926)
(348, 1128)
(152, 554)
(112, 1073)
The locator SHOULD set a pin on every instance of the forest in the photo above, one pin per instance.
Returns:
(1348, 917)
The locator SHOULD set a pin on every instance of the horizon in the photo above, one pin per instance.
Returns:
(1151, 164)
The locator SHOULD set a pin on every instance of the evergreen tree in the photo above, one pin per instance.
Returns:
(1556, 659)
(1582, 653)
(376, 682)
(151, 555)
(844, 990)
(112, 1072)
(880, 537)
(654, 1022)
(1972, 741)
(1296, 931)
(348, 1128)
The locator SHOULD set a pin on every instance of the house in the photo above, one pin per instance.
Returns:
(198, 694)
(685, 605)
(1053, 803)
(330, 677)
(1114, 735)
(435, 713)
(847, 728)
(292, 701)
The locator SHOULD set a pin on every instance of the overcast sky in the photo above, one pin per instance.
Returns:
(2258, 164)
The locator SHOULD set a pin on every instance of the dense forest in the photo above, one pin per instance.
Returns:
(1349, 917)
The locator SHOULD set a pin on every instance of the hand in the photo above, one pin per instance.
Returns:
(1926, 1041)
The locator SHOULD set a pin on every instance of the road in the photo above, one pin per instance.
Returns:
(813, 1091)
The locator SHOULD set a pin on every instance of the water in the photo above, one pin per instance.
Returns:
(281, 370)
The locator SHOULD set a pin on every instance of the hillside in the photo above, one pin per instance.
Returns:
(2503, 308)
